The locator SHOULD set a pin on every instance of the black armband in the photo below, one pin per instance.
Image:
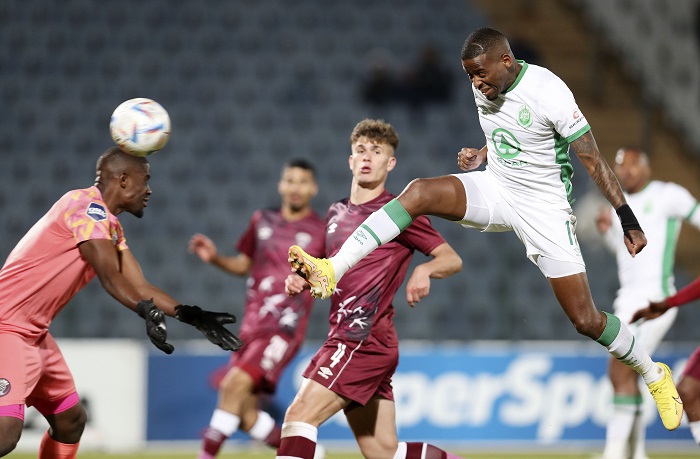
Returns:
(627, 218)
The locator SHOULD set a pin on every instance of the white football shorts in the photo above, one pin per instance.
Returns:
(549, 234)
(649, 333)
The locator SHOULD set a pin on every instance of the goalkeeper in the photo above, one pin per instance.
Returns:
(78, 238)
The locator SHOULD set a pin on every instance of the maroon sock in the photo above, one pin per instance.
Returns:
(298, 447)
(274, 437)
(213, 440)
(414, 450)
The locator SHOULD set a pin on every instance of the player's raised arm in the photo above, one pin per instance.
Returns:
(445, 262)
(587, 151)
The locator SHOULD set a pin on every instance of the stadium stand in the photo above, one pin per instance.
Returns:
(248, 84)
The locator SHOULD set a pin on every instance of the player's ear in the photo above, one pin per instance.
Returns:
(391, 164)
(123, 179)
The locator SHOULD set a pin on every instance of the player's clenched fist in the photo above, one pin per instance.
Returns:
(471, 158)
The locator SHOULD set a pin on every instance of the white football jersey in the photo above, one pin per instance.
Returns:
(660, 209)
(528, 130)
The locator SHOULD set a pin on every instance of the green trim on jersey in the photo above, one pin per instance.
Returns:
(578, 133)
(669, 256)
(561, 148)
(690, 215)
(520, 75)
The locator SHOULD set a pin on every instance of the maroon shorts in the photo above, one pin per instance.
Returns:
(264, 358)
(692, 367)
(357, 370)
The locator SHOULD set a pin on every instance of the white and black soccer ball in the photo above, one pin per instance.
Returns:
(140, 126)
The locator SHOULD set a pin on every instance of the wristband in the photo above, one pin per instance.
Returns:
(627, 218)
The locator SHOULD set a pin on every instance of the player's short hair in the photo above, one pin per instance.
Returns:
(376, 130)
(115, 160)
(482, 40)
(301, 163)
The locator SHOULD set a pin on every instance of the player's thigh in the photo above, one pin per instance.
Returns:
(264, 358)
(374, 427)
(439, 196)
(314, 404)
(21, 366)
(10, 432)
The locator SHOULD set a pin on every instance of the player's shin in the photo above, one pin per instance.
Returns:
(266, 430)
(52, 449)
(620, 342)
(298, 440)
(380, 227)
(222, 425)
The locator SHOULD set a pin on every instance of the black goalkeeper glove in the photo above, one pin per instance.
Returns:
(211, 324)
(155, 325)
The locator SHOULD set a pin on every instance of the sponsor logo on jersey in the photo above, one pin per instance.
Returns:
(507, 146)
(325, 372)
(524, 116)
(96, 211)
(4, 387)
(264, 233)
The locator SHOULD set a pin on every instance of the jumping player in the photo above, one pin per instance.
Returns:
(530, 119)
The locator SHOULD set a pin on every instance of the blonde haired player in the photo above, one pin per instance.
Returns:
(661, 208)
(530, 119)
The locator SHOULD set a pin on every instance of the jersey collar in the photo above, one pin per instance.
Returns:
(520, 75)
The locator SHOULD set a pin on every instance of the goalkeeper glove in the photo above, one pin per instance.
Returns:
(155, 324)
(211, 324)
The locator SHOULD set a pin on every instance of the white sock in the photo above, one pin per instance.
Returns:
(695, 430)
(620, 342)
(639, 434)
(380, 227)
(619, 429)
(262, 427)
(299, 429)
(225, 422)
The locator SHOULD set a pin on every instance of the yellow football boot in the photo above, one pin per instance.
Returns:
(318, 272)
(667, 400)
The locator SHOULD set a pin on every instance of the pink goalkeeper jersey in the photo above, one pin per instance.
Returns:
(45, 269)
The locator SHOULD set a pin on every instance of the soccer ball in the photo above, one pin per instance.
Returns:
(140, 126)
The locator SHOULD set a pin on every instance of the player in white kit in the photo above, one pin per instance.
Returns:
(530, 119)
(661, 207)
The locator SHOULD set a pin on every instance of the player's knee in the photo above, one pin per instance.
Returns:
(69, 425)
(588, 322)
(414, 195)
(379, 449)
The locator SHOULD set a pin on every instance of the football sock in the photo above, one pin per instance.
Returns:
(695, 431)
(298, 440)
(380, 227)
(222, 425)
(620, 342)
(620, 425)
(266, 430)
(639, 433)
(52, 449)
(418, 450)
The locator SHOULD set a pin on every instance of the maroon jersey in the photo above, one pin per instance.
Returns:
(266, 241)
(362, 302)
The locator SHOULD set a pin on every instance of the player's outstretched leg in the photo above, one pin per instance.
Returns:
(667, 399)
(318, 272)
